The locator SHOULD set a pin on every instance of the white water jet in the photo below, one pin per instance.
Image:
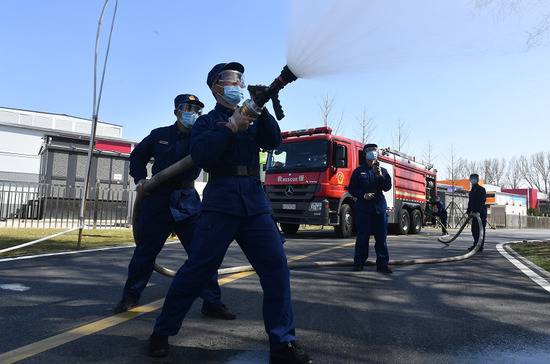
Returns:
(335, 36)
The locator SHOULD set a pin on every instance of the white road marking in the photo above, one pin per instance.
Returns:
(14, 287)
(523, 268)
(76, 252)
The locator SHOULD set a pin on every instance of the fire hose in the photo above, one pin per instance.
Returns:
(252, 107)
(449, 239)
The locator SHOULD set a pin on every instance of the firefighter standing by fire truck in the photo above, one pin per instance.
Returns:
(226, 144)
(174, 207)
(367, 184)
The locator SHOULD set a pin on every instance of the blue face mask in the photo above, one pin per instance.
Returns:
(474, 181)
(372, 155)
(188, 118)
(233, 95)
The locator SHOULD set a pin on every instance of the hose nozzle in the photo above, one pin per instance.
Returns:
(260, 95)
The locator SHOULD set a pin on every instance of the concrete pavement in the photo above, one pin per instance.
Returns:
(479, 310)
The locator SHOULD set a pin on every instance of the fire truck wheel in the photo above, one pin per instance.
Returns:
(290, 229)
(404, 222)
(416, 221)
(345, 228)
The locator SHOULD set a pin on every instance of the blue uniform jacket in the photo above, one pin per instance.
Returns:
(166, 146)
(364, 180)
(476, 201)
(213, 145)
(440, 209)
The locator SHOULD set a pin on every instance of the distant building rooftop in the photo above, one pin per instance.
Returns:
(40, 120)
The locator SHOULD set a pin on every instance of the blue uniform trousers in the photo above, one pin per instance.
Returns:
(261, 242)
(153, 228)
(371, 223)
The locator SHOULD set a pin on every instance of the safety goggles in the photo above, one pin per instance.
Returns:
(230, 78)
(187, 107)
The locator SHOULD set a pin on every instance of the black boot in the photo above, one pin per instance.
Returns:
(219, 312)
(472, 248)
(384, 269)
(158, 346)
(125, 304)
(290, 353)
(357, 268)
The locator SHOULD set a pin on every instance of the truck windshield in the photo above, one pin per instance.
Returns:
(306, 155)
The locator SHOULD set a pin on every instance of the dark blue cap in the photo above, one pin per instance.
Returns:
(367, 146)
(215, 71)
(187, 99)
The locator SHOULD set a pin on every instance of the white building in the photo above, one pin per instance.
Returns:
(22, 133)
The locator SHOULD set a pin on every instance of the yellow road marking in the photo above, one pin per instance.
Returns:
(41, 346)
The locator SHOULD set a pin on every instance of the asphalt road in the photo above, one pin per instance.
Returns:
(479, 310)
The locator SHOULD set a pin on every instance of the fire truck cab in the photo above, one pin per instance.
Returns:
(307, 179)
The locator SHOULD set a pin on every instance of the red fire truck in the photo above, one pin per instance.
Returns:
(307, 180)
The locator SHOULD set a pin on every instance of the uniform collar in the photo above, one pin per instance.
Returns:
(224, 110)
(179, 131)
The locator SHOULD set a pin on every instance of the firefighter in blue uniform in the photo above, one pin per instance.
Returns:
(441, 213)
(477, 204)
(173, 208)
(226, 144)
(367, 184)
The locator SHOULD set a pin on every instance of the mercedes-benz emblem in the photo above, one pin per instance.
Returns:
(289, 191)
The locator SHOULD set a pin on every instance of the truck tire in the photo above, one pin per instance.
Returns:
(290, 229)
(416, 221)
(404, 222)
(345, 228)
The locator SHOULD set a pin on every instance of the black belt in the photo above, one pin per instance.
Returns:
(241, 171)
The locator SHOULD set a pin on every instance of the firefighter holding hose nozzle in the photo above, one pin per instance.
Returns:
(173, 207)
(367, 185)
(225, 143)
(477, 205)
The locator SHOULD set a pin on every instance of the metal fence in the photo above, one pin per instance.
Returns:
(519, 221)
(57, 206)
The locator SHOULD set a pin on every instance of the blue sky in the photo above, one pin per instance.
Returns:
(485, 107)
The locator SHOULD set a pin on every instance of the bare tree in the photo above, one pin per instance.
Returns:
(366, 127)
(452, 165)
(401, 135)
(326, 108)
(464, 168)
(534, 37)
(461, 168)
(529, 174)
(429, 155)
(540, 164)
(513, 173)
(486, 171)
(499, 171)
